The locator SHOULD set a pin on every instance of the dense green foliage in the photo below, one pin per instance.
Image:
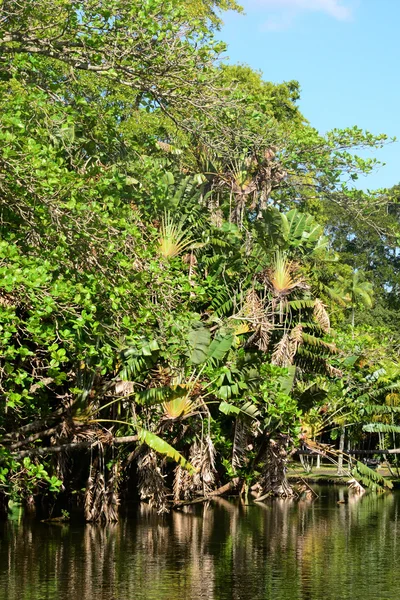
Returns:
(175, 242)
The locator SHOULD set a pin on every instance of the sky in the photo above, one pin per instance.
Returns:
(344, 53)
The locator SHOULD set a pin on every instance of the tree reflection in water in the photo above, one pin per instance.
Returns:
(316, 550)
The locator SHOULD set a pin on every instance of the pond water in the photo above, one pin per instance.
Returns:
(319, 550)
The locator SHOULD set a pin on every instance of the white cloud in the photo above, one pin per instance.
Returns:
(285, 11)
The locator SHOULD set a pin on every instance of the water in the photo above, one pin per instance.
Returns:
(318, 550)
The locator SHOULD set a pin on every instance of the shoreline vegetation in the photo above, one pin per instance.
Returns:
(192, 286)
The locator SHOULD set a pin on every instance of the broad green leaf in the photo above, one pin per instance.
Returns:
(162, 447)
(218, 348)
(199, 340)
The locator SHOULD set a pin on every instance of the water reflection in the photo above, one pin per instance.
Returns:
(319, 550)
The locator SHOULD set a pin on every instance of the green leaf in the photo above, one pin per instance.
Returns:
(248, 409)
(199, 340)
(162, 447)
(286, 381)
(218, 348)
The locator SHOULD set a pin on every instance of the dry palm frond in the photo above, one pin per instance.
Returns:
(305, 490)
(216, 214)
(208, 466)
(253, 308)
(85, 433)
(183, 484)
(173, 239)
(202, 457)
(124, 388)
(164, 146)
(95, 489)
(88, 502)
(160, 376)
(333, 371)
(264, 336)
(111, 494)
(297, 335)
(321, 316)
(392, 399)
(177, 487)
(101, 499)
(66, 429)
(195, 458)
(281, 355)
(191, 260)
(151, 482)
(273, 475)
(285, 350)
(239, 443)
(253, 312)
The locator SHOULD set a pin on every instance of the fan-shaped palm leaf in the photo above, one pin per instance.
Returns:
(283, 276)
(173, 238)
(178, 407)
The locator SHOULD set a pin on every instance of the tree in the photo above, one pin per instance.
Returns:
(159, 284)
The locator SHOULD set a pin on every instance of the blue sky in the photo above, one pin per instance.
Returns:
(344, 53)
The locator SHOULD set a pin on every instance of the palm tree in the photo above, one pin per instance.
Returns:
(357, 292)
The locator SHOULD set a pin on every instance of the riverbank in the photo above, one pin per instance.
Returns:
(327, 474)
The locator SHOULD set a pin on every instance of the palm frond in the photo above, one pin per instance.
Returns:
(380, 409)
(199, 340)
(311, 340)
(284, 351)
(321, 316)
(173, 237)
(183, 487)
(248, 408)
(381, 428)
(151, 482)
(178, 407)
(314, 362)
(283, 276)
(159, 395)
(370, 478)
(379, 392)
(300, 305)
(240, 441)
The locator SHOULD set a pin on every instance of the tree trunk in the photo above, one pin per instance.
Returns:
(341, 448)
